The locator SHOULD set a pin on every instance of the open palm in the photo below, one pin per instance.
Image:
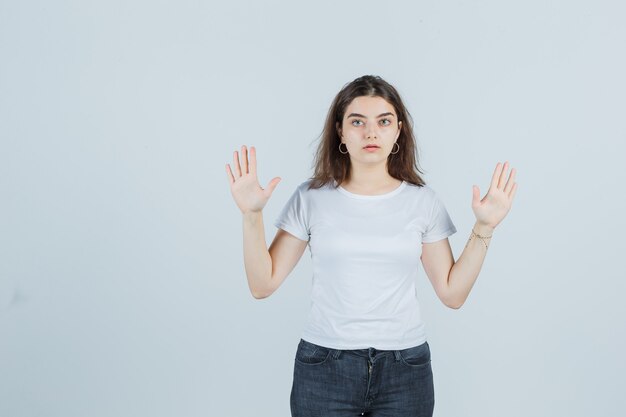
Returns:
(493, 207)
(244, 183)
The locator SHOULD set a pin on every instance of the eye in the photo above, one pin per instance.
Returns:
(356, 120)
(387, 120)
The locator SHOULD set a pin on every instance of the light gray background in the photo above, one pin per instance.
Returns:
(122, 286)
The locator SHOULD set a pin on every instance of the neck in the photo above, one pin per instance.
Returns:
(370, 178)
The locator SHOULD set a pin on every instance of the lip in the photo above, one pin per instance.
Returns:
(371, 146)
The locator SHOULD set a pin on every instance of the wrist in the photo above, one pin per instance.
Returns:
(252, 215)
(483, 229)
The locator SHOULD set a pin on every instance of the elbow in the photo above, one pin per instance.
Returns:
(452, 299)
(261, 293)
(257, 295)
(454, 304)
(260, 288)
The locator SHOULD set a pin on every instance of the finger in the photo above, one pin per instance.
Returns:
(236, 164)
(244, 156)
(272, 185)
(229, 174)
(496, 175)
(502, 177)
(512, 193)
(475, 195)
(253, 160)
(510, 182)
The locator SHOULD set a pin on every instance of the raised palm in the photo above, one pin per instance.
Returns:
(244, 184)
(493, 207)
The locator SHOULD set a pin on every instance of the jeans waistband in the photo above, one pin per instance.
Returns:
(370, 352)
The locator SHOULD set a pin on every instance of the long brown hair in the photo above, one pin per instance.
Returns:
(331, 165)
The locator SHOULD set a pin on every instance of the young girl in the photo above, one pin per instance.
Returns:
(367, 217)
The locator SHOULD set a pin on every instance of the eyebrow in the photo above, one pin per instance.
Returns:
(360, 115)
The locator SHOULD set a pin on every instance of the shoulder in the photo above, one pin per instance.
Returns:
(305, 188)
(424, 197)
(303, 193)
(422, 190)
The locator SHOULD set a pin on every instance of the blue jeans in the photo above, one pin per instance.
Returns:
(362, 382)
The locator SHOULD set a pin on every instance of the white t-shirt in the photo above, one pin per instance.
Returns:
(365, 251)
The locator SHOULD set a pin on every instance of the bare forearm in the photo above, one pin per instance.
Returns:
(465, 270)
(257, 260)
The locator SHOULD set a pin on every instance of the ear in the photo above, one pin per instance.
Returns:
(399, 129)
(338, 128)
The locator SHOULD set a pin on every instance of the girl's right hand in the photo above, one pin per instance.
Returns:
(244, 184)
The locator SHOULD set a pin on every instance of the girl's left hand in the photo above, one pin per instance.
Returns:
(496, 204)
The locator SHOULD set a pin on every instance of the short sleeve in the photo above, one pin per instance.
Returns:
(440, 224)
(293, 217)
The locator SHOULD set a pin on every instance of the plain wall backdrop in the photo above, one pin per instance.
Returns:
(122, 285)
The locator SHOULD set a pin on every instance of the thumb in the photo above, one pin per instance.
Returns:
(272, 184)
(475, 195)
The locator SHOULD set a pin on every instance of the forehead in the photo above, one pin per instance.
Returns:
(369, 106)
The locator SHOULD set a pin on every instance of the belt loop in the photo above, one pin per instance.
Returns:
(396, 353)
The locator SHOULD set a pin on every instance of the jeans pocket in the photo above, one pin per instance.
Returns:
(416, 356)
(311, 354)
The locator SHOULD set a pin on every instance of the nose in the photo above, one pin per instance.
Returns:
(371, 133)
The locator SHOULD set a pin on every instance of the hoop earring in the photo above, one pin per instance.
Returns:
(341, 143)
(396, 143)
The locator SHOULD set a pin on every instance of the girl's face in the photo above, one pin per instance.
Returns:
(369, 130)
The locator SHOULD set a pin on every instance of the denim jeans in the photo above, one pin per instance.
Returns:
(362, 382)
